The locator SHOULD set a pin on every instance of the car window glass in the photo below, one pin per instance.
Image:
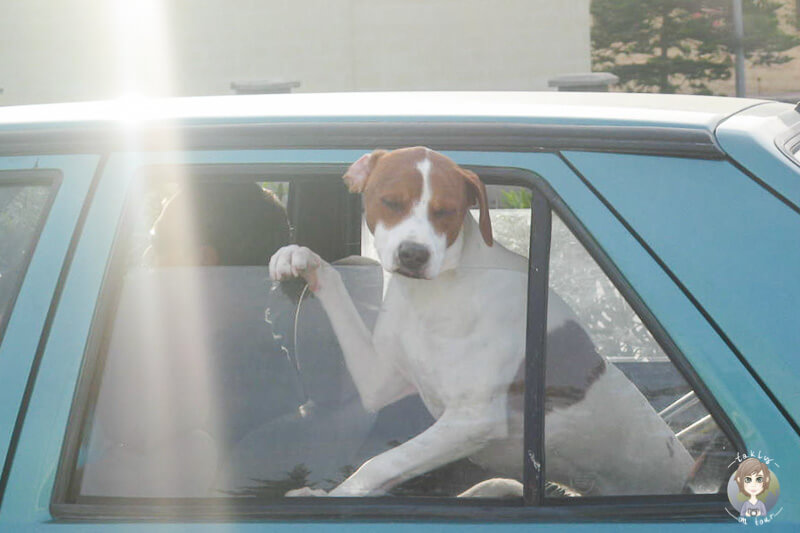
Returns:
(21, 210)
(643, 429)
(510, 210)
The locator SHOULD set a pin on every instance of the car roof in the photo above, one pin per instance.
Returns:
(598, 109)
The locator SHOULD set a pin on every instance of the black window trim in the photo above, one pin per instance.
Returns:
(702, 507)
(490, 135)
(43, 177)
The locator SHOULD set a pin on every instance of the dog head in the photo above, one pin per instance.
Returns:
(415, 202)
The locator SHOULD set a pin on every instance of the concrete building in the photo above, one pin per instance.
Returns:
(75, 50)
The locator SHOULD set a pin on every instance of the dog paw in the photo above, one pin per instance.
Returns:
(295, 262)
(494, 488)
(305, 492)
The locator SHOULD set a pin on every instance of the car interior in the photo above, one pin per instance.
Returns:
(237, 387)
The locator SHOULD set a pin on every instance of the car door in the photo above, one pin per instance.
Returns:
(56, 443)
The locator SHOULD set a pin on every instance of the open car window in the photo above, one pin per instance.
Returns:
(212, 382)
(215, 382)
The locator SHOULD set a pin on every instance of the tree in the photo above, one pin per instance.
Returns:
(670, 46)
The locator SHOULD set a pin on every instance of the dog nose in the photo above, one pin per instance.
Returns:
(412, 255)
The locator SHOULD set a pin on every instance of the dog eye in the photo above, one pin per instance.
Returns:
(394, 205)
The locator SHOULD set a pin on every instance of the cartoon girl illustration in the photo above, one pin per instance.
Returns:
(753, 478)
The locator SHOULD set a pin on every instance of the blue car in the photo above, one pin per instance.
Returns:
(154, 377)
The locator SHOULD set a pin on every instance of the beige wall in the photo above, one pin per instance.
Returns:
(54, 51)
(90, 49)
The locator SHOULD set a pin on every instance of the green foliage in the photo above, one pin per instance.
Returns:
(516, 199)
(670, 46)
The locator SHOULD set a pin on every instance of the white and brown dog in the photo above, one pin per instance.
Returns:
(452, 329)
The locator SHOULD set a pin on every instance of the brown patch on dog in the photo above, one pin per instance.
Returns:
(393, 187)
(358, 174)
(449, 196)
(391, 184)
(478, 192)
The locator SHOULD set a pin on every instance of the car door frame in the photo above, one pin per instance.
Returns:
(42, 280)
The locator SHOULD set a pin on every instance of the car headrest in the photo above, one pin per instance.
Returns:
(196, 348)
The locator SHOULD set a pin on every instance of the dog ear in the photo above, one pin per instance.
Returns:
(358, 173)
(477, 191)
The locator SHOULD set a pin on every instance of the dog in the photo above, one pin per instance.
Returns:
(452, 329)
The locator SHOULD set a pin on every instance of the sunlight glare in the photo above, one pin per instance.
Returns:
(143, 48)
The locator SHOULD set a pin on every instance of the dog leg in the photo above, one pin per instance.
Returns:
(457, 434)
(377, 380)
(494, 488)
(305, 492)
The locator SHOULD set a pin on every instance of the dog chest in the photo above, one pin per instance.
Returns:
(458, 346)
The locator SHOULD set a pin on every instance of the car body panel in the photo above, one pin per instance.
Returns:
(750, 137)
(672, 209)
(22, 335)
